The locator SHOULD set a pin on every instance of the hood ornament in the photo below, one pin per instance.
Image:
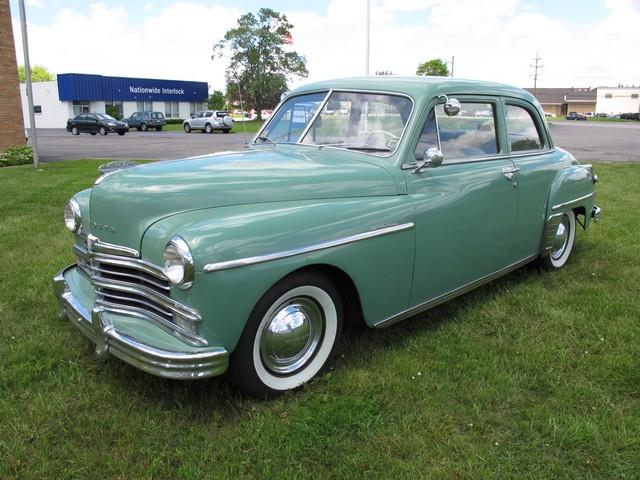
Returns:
(107, 169)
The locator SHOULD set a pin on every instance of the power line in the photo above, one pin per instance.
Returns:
(536, 67)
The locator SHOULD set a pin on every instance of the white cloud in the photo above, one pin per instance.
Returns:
(148, 6)
(493, 41)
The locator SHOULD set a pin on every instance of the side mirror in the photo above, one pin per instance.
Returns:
(432, 159)
(452, 107)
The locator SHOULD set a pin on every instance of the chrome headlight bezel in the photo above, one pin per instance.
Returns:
(73, 216)
(178, 263)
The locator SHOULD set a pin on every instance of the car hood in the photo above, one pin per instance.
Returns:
(125, 203)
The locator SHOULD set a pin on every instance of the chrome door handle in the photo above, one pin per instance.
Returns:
(509, 172)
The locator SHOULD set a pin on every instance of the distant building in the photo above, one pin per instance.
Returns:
(73, 94)
(12, 131)
(560, 101)
(614, 100)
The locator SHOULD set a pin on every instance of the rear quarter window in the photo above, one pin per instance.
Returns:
(522, 130)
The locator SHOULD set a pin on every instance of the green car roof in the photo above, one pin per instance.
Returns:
(419, 86)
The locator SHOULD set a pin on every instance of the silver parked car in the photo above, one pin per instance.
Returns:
(208, 121)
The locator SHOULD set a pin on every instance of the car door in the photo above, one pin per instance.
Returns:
(198, 121)
(465, 209)
(91, 123)
(532, 152)
(134, 120)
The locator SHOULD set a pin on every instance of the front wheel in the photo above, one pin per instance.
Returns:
(208, 128)
(564, 238)
(143, 127)
(121, 133)
(226, 130)
(75, 131)
(289, 337)
(103, 131)
(187, 128)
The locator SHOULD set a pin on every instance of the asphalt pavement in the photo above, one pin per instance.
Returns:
(588, 141)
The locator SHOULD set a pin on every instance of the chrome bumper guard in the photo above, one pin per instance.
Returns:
(95, 324)
(595, 213)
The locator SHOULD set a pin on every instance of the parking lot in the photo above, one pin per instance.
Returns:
(588, 141)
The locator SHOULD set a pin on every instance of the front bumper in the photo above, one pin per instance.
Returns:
(99, 325)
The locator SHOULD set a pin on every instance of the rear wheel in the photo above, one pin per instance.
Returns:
(289, 337)
(143, 127)
(208, 128)
(187, 128)
(158, 129)
(226, 130)
(103, 131)
(563, 241)
(121, 133)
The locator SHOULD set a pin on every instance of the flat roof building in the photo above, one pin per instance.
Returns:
(72, 94)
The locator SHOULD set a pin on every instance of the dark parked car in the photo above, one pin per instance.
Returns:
(576, 116)
(96, 123)
(630, 116)
(146, 120)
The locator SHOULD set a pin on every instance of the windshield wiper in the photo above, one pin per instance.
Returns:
(366, 148)
(266, 139)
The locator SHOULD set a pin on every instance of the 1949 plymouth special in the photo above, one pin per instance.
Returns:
(364, 199)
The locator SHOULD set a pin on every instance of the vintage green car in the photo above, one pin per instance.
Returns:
(363, 199)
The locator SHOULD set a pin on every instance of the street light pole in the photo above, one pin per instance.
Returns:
(33, 137)
(366, 68)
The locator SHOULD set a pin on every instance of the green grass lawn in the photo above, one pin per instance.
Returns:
(536, 375)
(252, 126)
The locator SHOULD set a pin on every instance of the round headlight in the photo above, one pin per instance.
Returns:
(72, 216)
(178, 263)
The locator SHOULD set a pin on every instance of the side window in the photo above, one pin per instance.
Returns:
(208, 114)
(522, 130)
(471, 133)
(200, 115)
(428, 137)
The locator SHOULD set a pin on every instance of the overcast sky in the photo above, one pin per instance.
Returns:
(583, 43)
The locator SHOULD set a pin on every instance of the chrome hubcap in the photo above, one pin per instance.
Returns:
(561, 238)
(291, 336)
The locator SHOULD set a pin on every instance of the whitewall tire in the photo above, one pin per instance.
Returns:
(562, 246)
(289, 337)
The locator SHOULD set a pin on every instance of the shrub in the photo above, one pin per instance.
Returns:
(16, 156)
(175, 121)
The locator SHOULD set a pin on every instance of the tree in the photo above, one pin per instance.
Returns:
(435, 68)
(259, 63)
(216, 100)
(38, 74)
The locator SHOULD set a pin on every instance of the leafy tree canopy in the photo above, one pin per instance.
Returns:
(38, 74)
(259, 62)
(435, 68)
(216, 100)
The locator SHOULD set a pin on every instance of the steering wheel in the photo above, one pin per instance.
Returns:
(389, 140)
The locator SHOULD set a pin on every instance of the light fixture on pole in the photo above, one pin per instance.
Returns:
(33, 137)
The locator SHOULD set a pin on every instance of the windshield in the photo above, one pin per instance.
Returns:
(104, 116)
(366, 122)
(292, 118)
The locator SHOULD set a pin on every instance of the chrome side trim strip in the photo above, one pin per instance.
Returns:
(243, 262)
(562, 205)
(452, 294)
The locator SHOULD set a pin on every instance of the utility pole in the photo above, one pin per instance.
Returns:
(366, 67)
(453, 61)
(27, 73)
(536, 66)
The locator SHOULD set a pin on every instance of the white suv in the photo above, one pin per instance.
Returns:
(209, 120)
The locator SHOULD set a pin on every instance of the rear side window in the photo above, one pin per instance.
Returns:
(522, 130)
(471, 133)
(208, 114)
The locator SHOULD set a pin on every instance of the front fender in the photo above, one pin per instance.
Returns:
(381, 266)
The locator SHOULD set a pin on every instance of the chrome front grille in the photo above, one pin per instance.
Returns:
(130, 285)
